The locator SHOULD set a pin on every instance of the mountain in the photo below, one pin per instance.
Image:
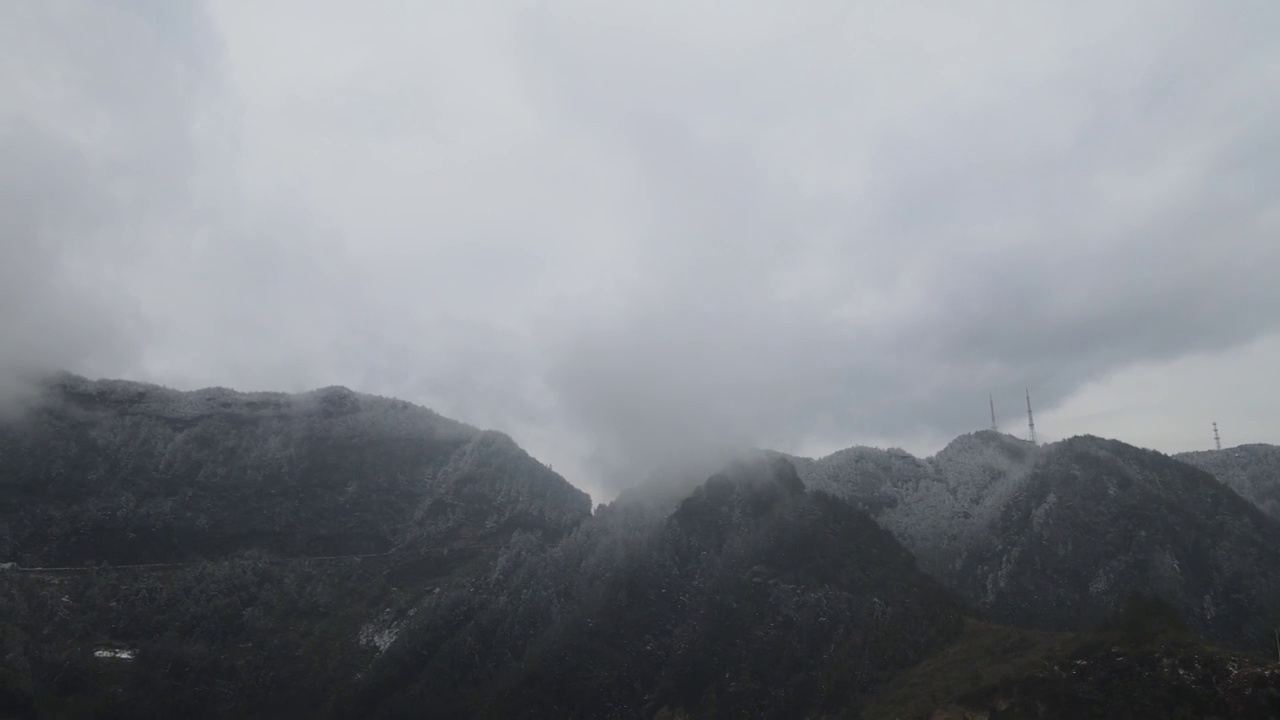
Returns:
(335, 555)
(127, 473)
(1098, 519)
(224, 554)
(751, 598)
(935, 507)
(1054, 537)
(1251, 470)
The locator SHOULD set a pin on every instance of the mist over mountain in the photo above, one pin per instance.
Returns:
(333, 554)
(241, 550)
(627, 230)
(172, 545)
(1057, 536)
(934, 506)
(128, 473)
(1251, 470)
(564, 310)
(753, 597)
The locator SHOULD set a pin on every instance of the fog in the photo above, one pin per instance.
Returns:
(630, 234)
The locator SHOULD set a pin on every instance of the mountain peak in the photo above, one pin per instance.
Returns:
(1096, 519)
(988, 441)
(746, 489)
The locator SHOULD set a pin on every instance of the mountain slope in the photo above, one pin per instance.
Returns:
(126, 473)
(1054, 537)
(935, 507)
(1098, 519)
(294, 532)
(993, 671)
(753, 598)
(341, 555)
(1251, 470)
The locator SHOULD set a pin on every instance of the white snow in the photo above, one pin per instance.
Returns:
(379, 638)
(1100, 582)
(382, 632)
(941, 503)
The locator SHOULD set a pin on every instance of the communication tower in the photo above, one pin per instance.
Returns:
(1031, 420)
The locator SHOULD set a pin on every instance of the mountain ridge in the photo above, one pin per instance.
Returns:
(463, 576)
(753, 596)
(128, 473)
(1251, 470)
(1053, 536)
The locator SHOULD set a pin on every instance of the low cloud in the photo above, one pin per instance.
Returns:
(631, 234)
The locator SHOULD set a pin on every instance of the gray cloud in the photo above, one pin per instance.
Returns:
(49, 318)
(100, 109)
(634, 233)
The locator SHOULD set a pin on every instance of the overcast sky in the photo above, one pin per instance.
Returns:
(624, 231)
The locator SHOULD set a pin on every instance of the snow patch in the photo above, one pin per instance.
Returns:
(379, 638)
(1040, 514)
(940, 503)
(1100, 583)
(382, 632)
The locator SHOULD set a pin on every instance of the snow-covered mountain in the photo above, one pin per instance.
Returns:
(936, 506)
(332, 554)
(123, 472)
(1251, 470)
(750, 598)
(1057, 536)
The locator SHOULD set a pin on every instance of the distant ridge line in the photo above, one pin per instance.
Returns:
(11, 567)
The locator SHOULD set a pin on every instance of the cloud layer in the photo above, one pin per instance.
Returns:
(629, 232)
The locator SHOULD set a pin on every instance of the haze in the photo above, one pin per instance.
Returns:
(628, 232)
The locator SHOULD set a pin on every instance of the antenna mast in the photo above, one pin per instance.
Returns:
(994, 427)
(1031, 421)
(1217, 441)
